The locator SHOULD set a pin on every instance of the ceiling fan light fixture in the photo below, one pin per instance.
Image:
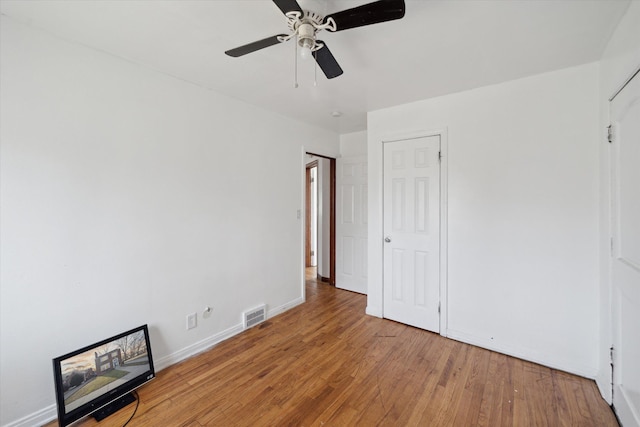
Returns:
(306, 39)
(306, 46)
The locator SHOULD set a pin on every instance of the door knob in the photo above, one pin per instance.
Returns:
(387, 239)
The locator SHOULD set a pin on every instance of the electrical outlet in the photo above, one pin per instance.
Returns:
(192, 320)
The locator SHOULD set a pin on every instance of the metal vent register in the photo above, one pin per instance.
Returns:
(254, 316)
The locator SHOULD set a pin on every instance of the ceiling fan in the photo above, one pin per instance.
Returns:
(304, 26)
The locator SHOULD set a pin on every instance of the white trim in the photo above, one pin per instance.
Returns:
(373, 311)
(604, 386)
(444, 227)
(38, 418)
(525, 354)
(196, 348)
(623, 409)
(401, 136)
(285, 307)
(303, 225)
(635, 73)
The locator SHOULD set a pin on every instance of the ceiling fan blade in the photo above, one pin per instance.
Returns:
(367, 14)
(327, 62)
(252, 47)
(288, 6)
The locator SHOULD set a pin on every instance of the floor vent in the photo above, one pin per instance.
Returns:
(255, 316)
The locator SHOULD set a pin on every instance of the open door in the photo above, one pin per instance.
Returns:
(625, 266)
(351, 224)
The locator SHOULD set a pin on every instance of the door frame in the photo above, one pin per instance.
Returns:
(332, 217)
(307, 213)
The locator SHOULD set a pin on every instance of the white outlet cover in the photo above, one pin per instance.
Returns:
(192, 320)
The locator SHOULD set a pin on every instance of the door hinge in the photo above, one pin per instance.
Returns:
(439, 156)
(610, 133)
(439, 308)
(611, 350)
(613, 367)
(313, 253)
(611, 241)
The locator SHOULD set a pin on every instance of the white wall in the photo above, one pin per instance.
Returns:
(619, 61)
(131, 197)
(353, 144)
(522, 213)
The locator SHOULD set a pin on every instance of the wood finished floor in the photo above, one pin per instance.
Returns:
(325, 363)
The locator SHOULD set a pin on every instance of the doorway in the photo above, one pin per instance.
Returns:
(320, 206)
(311, 215)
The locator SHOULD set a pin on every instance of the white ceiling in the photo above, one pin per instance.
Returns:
(439, 47)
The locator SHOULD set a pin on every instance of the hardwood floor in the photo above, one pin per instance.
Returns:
(326, 363)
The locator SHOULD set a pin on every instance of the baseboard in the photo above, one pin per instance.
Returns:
(50, 413)
(624, 408)
(323, 279)
(373, 311)
(350, 289)
(284, 307)
(562, 365)
(38, 418)
(196, 348)
(603, 381)
(358, 287)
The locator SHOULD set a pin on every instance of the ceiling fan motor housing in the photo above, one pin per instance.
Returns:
(306, 35)
(306, 27)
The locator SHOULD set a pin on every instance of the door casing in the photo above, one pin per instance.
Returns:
(332, 218)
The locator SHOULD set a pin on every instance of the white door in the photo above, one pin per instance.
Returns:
(411, 218)
(625, 121)
(351, 224)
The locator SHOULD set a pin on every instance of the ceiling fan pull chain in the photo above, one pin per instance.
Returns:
(315, 71)
(295, 65)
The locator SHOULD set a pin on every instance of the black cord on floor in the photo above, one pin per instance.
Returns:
(136, 409)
